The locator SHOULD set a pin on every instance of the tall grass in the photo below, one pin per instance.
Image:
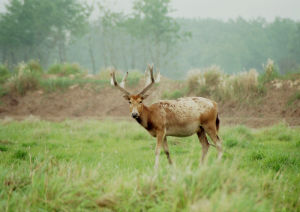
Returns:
(22, 82)
(90, 165)
(66, 69)
(4, 74)
(212, 82)
(64, 83)
(270, 72)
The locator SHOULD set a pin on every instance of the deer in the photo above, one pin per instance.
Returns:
(178, 118)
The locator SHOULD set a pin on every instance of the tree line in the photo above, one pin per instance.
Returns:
(61, 31)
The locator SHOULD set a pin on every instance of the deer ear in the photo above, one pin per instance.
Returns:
(126, 97)
(144, 96)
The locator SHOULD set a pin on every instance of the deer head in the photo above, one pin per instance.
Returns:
(135, 100)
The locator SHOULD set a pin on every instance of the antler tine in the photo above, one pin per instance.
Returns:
(152, 81)
(123, 82)
(115, 83)
(157, 76)
(147, 76)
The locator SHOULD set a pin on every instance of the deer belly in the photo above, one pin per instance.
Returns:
(183, 130)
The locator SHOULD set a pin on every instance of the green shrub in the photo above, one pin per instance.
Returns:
(65, 69)
(34, 66)
(4, 73)
(22, 82)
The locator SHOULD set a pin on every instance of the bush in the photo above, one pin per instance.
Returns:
(65, 69)
(34, 66)
(4, 73)
(244, 85)
(22, 82)
(213, 76)
(204, 82)
(212, 82)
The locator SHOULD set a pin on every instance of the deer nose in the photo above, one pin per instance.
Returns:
(135, 115)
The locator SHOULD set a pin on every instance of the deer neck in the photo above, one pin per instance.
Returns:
(143, 118)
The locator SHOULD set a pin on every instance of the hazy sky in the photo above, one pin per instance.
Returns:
(220, 9)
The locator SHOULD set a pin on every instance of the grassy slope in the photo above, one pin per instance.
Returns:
(106, 165)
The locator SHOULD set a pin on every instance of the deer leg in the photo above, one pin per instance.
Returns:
(166, 149)
(211, 130)
(204, 142)
(160, 137)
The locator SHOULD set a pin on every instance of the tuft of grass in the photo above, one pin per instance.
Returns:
(20, 154)
(257, 155)
(22, 82)
(34, 66)
(3, 148)
(270, 72)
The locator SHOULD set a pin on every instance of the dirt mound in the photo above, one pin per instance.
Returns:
(86, 102)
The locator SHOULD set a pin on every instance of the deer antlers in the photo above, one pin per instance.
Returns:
(114, 82)
(150, 68)
(150, 81)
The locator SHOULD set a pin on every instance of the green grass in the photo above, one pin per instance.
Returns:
(174, 94)
(64, 83)
(65, 69)
(91, 165)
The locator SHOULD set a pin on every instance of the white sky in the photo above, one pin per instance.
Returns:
(219, 9)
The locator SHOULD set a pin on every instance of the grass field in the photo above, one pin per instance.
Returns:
(89, 165)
